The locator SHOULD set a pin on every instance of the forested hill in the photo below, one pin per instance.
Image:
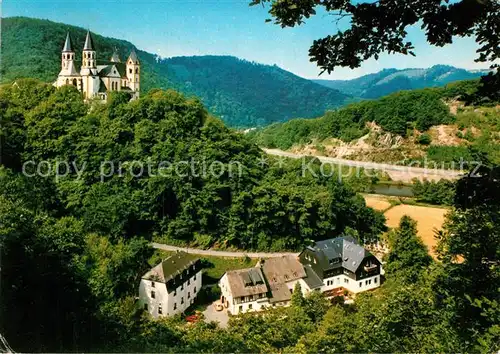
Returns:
(388, 81)
(242, 93)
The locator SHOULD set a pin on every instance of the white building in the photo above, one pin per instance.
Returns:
(341, 263)
(331, 267)
(172, 286)
(93, 80)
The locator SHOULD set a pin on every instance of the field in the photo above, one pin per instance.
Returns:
(428, 219)
(377, 202)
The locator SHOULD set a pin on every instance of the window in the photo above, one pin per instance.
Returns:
(189, 295)
(241, 308)
(189, 281)
(194, 277)
(346, 280)
(250, 306)
(130, 71)
(153, 295)
(160, 311)
(175, 292)
(195, 289)
(136, 70)
(375, 280)
(175, 305)
(360, 284)
(182, 300)
(152, 284)
(182, 287)
(145, 307)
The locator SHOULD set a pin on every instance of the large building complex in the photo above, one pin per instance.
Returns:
(96, 81)
(332, 267)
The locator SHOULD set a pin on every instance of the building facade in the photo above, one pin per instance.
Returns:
(171, 286)
(330, 267)
(95, 80)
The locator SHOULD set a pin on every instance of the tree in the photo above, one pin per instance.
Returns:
(297, 296)
(408, 256)
(381, 26)
(469, 248)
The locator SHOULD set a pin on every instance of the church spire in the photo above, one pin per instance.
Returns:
(68, 45)
(89, 43)
(115, 58)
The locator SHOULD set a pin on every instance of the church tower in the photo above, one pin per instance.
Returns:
(68, 54)
(134, 73)
(68, 74)
(89, 57)
(90, 77)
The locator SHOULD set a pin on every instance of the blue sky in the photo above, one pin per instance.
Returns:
(226, 27)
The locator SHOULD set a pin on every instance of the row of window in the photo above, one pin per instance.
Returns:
(368, 282)
(69, 56)
(88, 55)
(251, 297)
(130, 71)
(153, 295)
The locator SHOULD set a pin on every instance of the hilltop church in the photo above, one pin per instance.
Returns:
(95, 81)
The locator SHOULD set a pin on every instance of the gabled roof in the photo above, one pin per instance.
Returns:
(89, 42)
(342, 252)
(68, 45)
(278, 272)
(115, 58)
(171, 266)
(244, 282)
(312, 279)
(133, 57)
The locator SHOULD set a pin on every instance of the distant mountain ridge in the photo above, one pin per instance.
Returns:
(388, 81)
(242, 93)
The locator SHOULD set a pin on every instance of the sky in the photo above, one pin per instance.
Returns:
(228, 27)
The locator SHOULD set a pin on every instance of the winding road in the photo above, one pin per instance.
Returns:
(240, 254)
(395, 172)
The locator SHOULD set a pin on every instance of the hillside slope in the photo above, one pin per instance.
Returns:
(242, 93)
(417, 126)
(388, 81)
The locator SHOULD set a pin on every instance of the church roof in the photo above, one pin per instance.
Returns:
(68, 45)
(115, 58)
(89, 42)
(133, 57)
(106, 70)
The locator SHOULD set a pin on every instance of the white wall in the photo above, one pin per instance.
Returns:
(168, 301)
(236, 308)
(352, 285)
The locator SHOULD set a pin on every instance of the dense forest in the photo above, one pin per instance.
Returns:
(388, 81)
(408, 114)
(242, 93)
(74, 244)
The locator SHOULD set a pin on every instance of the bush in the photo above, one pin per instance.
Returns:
(424, 139)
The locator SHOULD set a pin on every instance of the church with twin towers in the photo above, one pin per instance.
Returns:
(96, 81)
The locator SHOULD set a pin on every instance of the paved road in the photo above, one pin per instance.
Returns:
(396, 172)
(221, 253)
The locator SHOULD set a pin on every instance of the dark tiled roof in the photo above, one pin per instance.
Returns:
(340, 251)
(89, 42)
(68, 45)
(312, 279)
(171, 266)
